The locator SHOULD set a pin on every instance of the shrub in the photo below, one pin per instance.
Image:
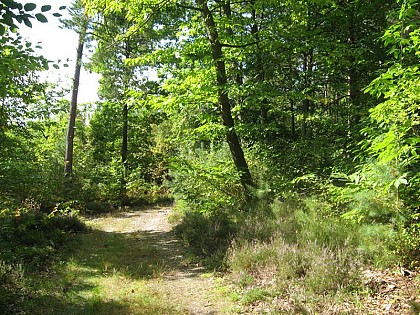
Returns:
(11, 288)
(34, 238)
(375, 244)
(206, 234)
(306, 249)
(406, 243)
(208, 192)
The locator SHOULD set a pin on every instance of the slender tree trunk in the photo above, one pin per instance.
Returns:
(124, 152)
(307, 70)
(259, 63)
(223, 97)
(68, 166)
(354, 90)
(293, 120)
(124, 135)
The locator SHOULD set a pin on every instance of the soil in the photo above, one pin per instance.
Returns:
(183, 283)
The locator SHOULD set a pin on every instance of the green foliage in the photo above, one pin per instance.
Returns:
(318, 224)
(32, 238)
(19, 84)
(203, 173)
(381, 196)
(145, 167)
(202, 182)
(393, 134)
(31, 242)
(406, 244)
(377, 244)
(12, 292)
(310, 253)
(295, 71)
(13, 12)
(207, 235)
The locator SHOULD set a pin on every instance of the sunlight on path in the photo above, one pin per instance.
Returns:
(132, 263)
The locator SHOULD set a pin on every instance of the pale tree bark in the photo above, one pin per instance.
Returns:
(223, 98)
(124, 136)
(68, 164)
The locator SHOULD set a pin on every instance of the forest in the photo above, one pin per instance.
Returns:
(283, 134)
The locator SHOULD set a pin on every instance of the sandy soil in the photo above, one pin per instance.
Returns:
(185, 284)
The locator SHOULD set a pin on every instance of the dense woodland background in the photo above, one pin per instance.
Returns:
(286, 133)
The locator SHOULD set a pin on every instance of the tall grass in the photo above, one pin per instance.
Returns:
(303, 259)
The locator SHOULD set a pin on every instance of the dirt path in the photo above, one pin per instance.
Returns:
(153, 245)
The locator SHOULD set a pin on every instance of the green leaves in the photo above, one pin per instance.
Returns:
(392, 135)
(13, 12)
(27, 23)
(41, 18)
(29, 7)
(401, 180)
(45, 8)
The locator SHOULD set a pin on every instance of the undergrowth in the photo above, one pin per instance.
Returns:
(31, 243)
(206, 235)
(306, 259)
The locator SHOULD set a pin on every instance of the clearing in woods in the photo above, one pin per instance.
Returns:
(132, 263)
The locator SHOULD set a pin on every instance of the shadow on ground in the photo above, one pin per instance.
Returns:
(137, 255)
(107, 261)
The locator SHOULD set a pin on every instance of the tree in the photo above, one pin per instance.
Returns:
(393, 131)
(223, 96)
(80, 22)
(120, 82)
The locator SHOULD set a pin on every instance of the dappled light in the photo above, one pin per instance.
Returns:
(236, 157)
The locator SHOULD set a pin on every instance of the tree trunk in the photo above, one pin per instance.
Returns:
(124, 153)
(223, 98)
(307, 70)
(124, 135)
(259, 63)
(68, 166)
(293, 119)
(354, 90)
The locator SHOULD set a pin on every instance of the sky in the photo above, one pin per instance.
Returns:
(60, 44)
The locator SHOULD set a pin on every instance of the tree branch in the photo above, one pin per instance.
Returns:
(240, 46)
(188, 7)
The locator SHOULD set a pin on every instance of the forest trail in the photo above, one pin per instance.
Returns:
(137, 266)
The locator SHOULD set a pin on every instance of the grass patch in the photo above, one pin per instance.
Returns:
(98, 272)
(77, 290)
(306, 261)
(32, 244)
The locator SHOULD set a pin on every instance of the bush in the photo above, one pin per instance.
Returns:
(33, 238)
(406, 243)
(206, 234)
(206, 180)
(208, 192)
(11, 288)
(376, 242)
(30, 242)
(304, 249)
